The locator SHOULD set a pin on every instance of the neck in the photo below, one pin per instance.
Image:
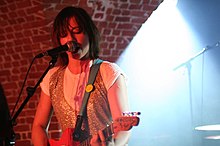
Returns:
(77, 66)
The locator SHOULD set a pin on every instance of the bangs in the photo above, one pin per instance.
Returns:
(61, 28)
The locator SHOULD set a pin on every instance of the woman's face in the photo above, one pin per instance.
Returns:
(76, 34)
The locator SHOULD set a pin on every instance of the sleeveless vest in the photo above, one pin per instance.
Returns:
(98, 110)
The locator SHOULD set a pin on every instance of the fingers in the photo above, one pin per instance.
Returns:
(94, 139)
(98, 139)
(101, 136)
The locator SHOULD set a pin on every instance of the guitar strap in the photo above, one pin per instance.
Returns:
(89, 88)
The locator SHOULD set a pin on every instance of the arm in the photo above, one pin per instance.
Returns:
(118, 100)
(41, 120)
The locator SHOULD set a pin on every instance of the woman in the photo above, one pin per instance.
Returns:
(64, 85)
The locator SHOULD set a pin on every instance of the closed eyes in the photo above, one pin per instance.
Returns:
(76, 30)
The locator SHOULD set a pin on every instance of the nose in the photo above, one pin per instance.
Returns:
(68, 38)
(71, 37)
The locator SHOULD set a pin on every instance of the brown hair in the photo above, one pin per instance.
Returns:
(60, 28)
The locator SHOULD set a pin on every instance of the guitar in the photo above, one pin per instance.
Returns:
(124, 123)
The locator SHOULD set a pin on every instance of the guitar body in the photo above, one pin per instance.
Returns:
(65, 140)
(124, 123)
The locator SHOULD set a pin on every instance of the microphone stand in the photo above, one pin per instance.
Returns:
(30, 93)
(188, 65)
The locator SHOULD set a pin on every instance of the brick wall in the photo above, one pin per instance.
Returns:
(25, 27)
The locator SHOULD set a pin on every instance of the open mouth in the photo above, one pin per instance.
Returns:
(74, 46)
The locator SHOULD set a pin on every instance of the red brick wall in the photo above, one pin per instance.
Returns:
(25, 31)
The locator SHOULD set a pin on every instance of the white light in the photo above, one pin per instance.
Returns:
(215, 137)
(172, 3)
(208, 128)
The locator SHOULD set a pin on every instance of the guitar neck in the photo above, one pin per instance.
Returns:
(121, 124)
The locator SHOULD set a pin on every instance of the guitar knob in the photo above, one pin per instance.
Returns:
(131, 113)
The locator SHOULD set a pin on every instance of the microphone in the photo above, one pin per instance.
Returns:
(71, 46)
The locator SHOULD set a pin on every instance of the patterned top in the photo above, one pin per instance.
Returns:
(98, 110)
